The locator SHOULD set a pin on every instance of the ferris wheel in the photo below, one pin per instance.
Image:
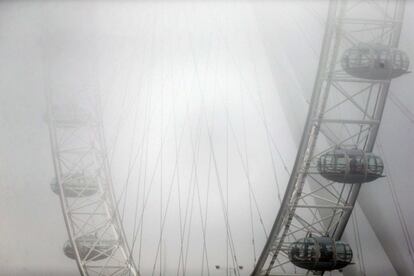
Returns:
(83, 184)
(359, 58)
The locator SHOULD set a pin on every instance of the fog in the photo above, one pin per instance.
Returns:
(203, 107)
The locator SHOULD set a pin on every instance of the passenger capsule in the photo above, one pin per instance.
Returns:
(375, 62)
(76, 185)
(90, 248)
(350, 166)
(320, 254)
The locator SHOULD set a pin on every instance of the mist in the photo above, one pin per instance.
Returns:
(203, 107)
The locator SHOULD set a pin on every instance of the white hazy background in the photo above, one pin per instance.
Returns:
(178, 81)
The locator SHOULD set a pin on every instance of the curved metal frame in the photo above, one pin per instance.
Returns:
(78, 144)
(312, 203)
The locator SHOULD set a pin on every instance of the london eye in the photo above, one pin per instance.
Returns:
(180, 144)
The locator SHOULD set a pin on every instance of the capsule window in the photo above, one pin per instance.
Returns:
(383, 56)
(326, 253)
(372, 164)
(348, 253)
(354, 163)
(380, 165)
(343, 252)
(354, 58)
(306, 250)
(329, 162)
(397, 60)
(340, 162)
(340, 251)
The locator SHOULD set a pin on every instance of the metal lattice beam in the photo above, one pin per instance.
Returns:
(83, 182)
(346, 111)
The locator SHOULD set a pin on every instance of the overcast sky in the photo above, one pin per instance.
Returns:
(170, 75)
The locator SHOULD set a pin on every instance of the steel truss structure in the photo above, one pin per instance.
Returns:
(344, 111)
(83, 183)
